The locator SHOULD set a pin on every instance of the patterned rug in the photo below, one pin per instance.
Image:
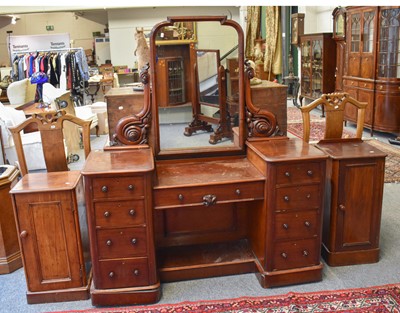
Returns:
(380, 299)
(392, 161)
(316, 130)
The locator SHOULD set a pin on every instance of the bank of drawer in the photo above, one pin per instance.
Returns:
(298, 197)
(298, 173)
(122, 273)
(295, 254)
(297, 225)
(195, 195)
(118, 187)
(121, 242)
(119, 213)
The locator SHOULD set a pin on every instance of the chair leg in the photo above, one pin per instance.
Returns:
(97, 130)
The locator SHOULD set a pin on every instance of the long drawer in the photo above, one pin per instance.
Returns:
(123, 273)
(117, 187)
(208, 195)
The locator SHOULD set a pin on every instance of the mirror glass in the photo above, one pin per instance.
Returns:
(195, 87)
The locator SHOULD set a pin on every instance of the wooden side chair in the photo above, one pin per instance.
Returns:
(334, 105)
(50, 126)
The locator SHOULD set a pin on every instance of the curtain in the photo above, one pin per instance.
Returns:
(273, 37)
(252, 29)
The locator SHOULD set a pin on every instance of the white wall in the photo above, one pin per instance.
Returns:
(123, 23)
(80, 29)
(317, 19)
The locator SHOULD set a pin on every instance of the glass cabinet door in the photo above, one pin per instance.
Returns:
(368, 31)
(389, 44)
(306, 67)
(355, 33)
(317, 68)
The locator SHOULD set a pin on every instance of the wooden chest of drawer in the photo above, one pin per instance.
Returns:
(208, 195)
(117, 187)
(296, 254)
(123, 273)
(119, 213)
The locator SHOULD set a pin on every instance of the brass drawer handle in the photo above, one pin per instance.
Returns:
(132, 212)
(285, 226)
(286, 198)
(380, 87)
(284, 255)
(104, 189)
(308, 196)
(134, 241)
(136, 272)
(342, 207)
(131, 187)
(237, 191)
(310, 173)
(307, 223)
(209, 200)
(180, 197)
(108, 242)
(287, 174)
(111, 274)
(305, 253)
(107, 214)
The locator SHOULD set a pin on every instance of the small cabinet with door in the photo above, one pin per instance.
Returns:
(318, 60)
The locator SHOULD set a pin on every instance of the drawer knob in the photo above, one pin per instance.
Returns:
(284, 255)
(287, 174)
(308, 196)
(104, 189)
(131, 187)
(136, 272)
(305, 253)
(307, 223)
(180, 197)
(342, 207)
(285, 226)
(380, 87)
(209, 200)
(310, 173)
(134, 241)
(365, 85)
(108, 242)
(237, 191)
(23, 234)
(111, 274)
(286, 198)
(132, 212)
(107, 214)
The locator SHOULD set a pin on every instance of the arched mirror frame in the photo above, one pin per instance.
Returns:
(239, 147)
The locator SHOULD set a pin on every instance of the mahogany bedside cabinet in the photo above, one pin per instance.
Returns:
(10, 255)
(49, 212)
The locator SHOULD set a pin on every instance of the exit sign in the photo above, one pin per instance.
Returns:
(49, 27)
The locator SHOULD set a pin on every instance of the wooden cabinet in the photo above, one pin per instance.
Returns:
(121, 102)
(119, 210)
(370, 65)
(352, 215)
(294, 206)
(318, 60)
(171, 74)
(10, 255)
(50, 217)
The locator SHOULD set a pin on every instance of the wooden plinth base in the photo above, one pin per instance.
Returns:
(10, 263)
(350, 257)
(125, 296)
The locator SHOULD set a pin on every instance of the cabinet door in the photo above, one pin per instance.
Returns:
(360, 183)
(354, 39)
(49, 236)
(317, 78)
(306, 73)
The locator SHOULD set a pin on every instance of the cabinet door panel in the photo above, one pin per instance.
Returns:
(367, 66)
(365, 95)
(354, 66)
(387, 112)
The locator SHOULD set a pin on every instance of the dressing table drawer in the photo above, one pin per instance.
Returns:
(298, 173)
(118, 187)
(123, 273)
(208, 195)
(298, 197)
(121, 242)
(119, 213)
(304, 224)
(296, 254)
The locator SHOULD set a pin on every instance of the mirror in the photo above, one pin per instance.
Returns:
(198, 89)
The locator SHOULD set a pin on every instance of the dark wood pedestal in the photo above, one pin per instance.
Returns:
(352, 215)
(10, 255)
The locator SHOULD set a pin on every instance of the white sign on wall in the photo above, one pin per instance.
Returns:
(22, 44)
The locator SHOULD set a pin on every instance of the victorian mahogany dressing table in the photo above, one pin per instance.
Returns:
(157, 215)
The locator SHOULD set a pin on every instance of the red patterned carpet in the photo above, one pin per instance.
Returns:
(379, 299)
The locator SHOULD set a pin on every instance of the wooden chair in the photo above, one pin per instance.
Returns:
(50, 126)
(334, 105)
